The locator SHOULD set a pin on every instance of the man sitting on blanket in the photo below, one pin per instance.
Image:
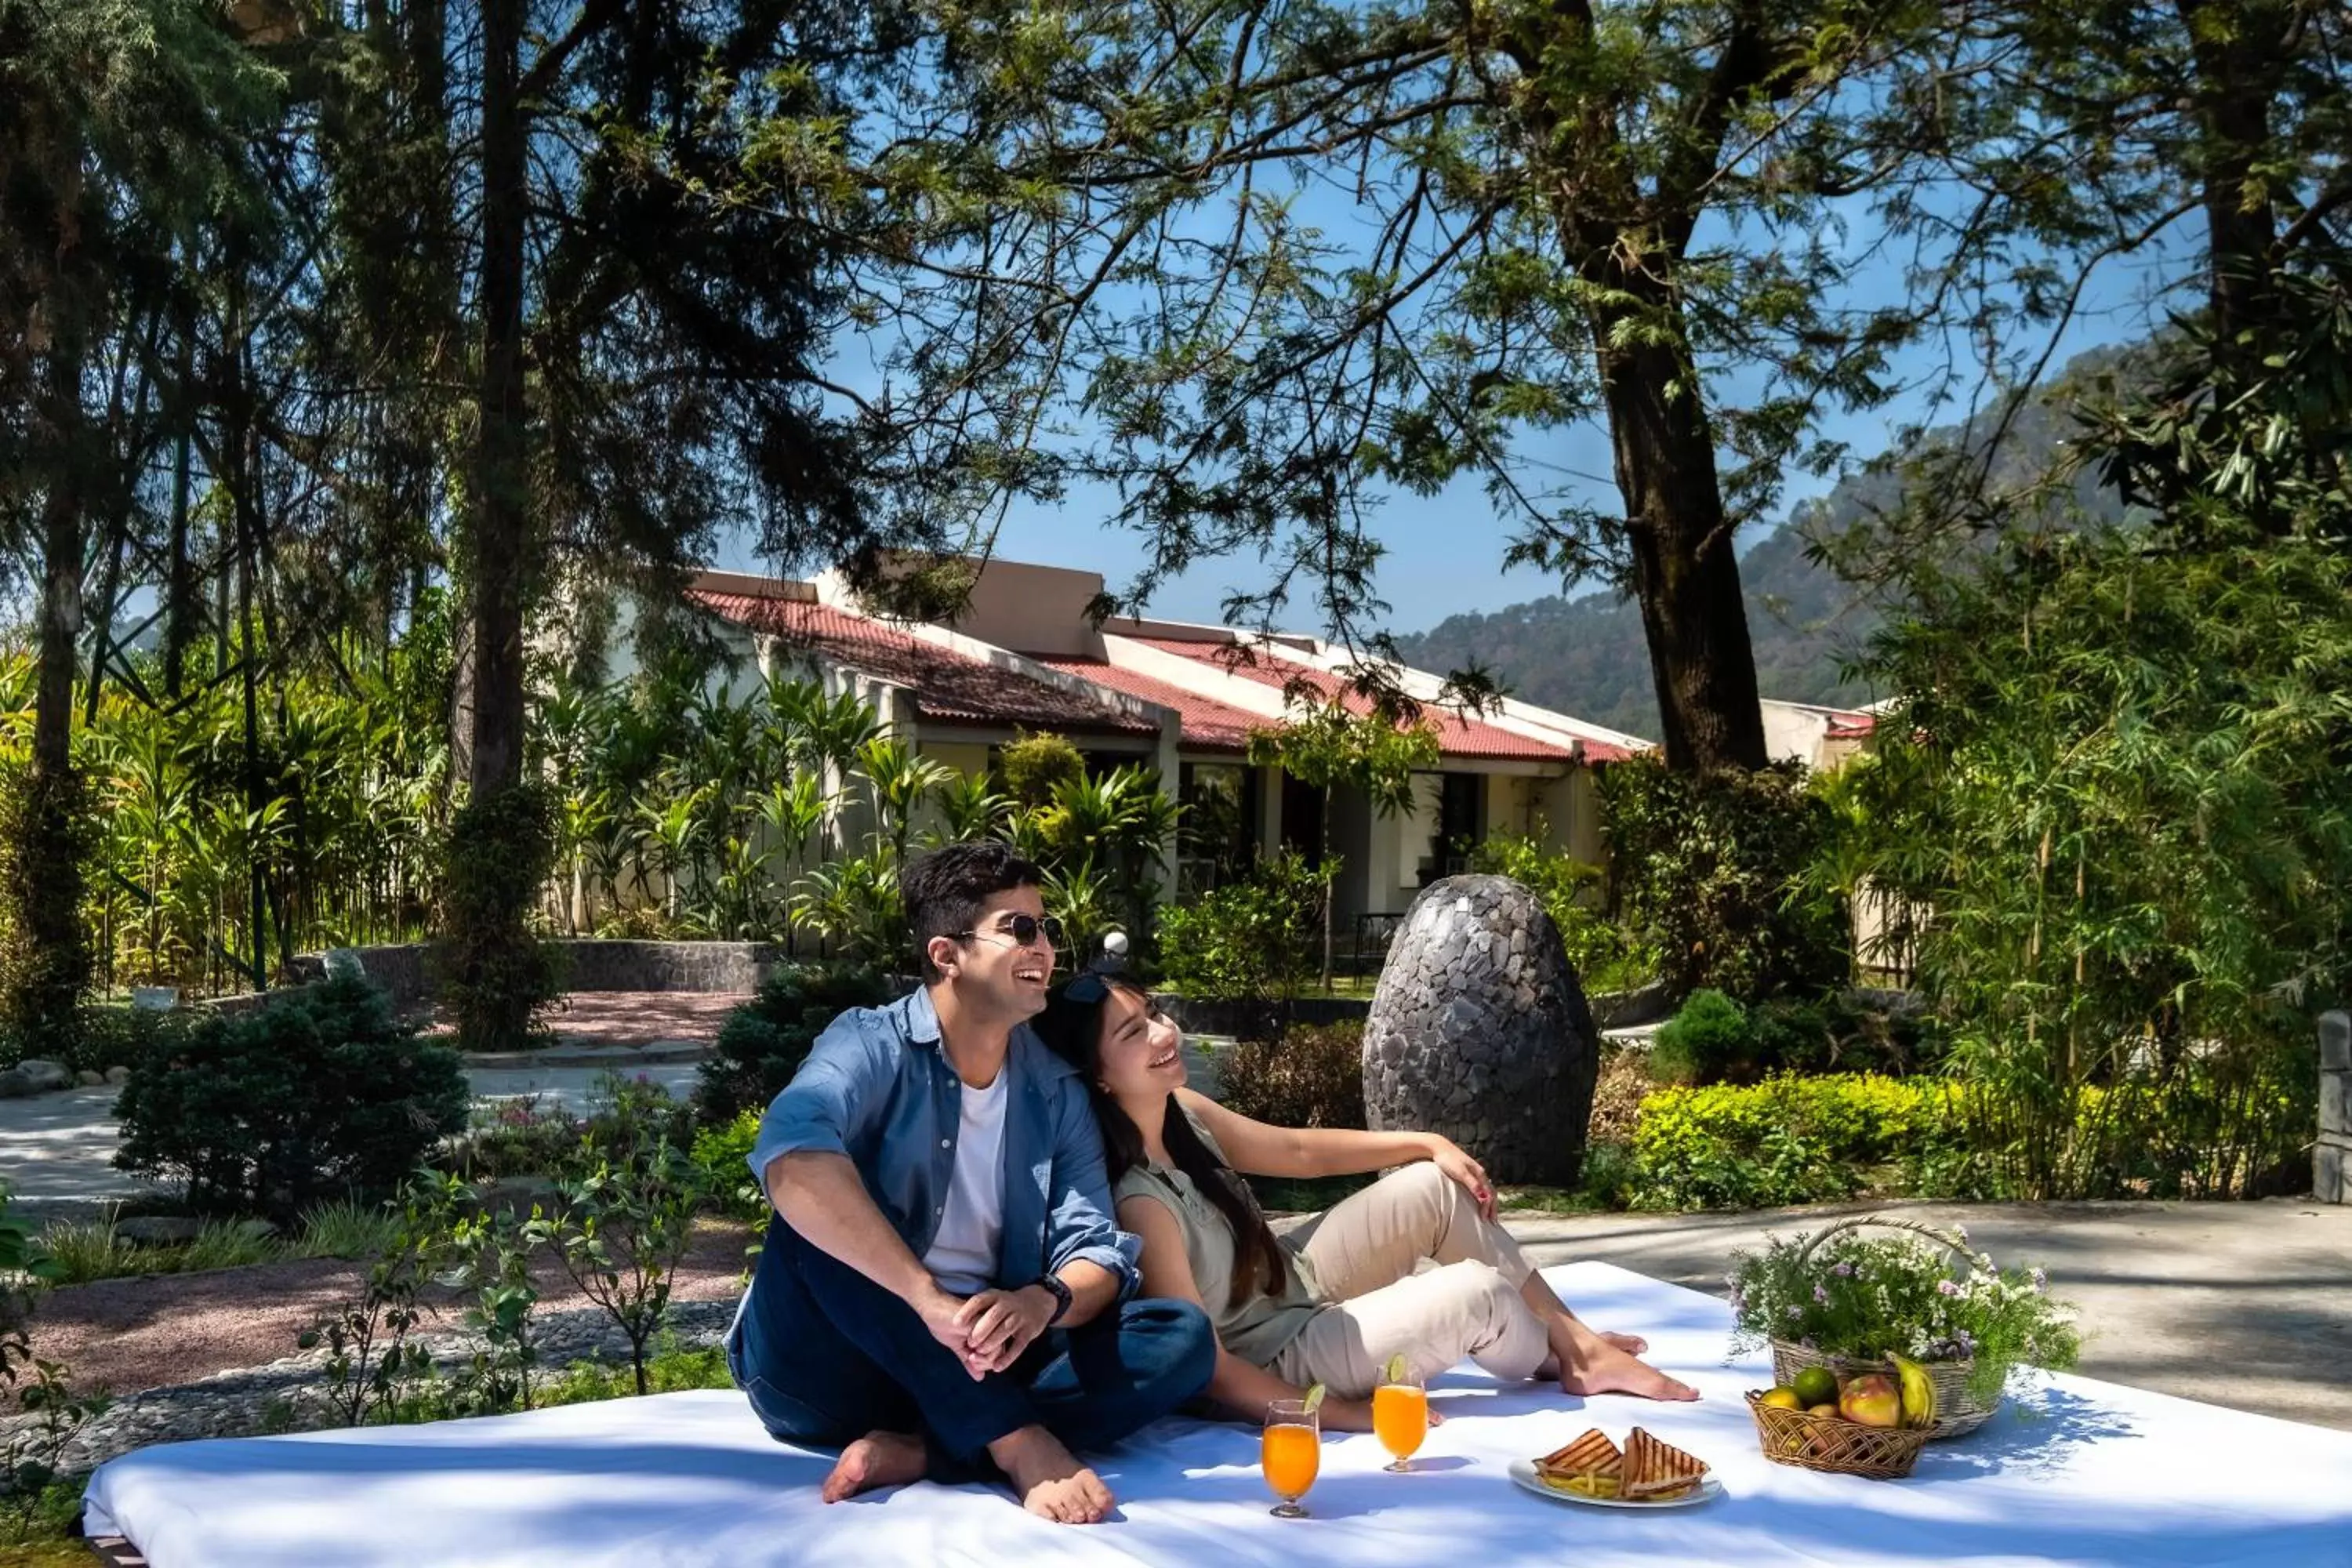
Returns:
(943, 1290)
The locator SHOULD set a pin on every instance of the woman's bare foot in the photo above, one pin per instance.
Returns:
(1048, 1479)
(1632, 1344)
(876, 1460)
(1605, 1369)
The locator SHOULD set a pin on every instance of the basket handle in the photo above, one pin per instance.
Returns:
(1949, 1240)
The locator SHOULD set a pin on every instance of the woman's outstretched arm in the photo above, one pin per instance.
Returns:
(1257, 1149)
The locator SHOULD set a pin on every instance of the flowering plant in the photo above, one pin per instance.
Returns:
(1864, 1298)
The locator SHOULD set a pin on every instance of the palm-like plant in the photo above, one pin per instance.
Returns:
(675, 837)
(853, 905)
(898, 780)
(1081, 900)
(971, 808)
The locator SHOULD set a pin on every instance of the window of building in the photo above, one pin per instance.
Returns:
(1460, 821)
(1217, 838)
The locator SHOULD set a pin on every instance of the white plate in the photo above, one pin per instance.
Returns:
(1523, 1472)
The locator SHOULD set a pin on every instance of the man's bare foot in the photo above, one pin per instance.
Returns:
(1048, 1479)
(878, 1459)
(1605, 1369)
(1632, 1344)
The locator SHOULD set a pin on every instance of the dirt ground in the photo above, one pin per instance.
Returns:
(156, 1331)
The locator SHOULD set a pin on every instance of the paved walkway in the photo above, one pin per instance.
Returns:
(2247, 1305)
(57, 1151)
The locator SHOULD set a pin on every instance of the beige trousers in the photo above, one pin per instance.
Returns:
(1364, 1250)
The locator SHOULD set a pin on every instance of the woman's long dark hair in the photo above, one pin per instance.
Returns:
(1074, 1030)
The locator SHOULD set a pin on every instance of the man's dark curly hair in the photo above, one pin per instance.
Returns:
(943, 891)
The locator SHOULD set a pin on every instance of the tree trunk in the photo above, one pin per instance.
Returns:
(498, 546)
(1330, 887)
(1627, 243)
(1685, 577)
(51, 962)
(2238, 63)
(62, 544)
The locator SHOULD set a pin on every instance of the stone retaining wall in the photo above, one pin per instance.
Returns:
(2331, 1158)
(403, 969)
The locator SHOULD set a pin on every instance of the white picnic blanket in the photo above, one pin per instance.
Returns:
(2075, 1471)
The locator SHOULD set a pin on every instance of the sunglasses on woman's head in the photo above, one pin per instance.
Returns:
(1023, 930)
(1086, 990)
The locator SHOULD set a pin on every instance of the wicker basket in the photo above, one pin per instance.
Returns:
(1958, 1412)
(1839, 1446)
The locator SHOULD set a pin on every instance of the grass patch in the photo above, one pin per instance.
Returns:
(94, 1250)
(63, 1553)
(88, 1250)
(671, 1372)
(35, 1530)
(347, 1229)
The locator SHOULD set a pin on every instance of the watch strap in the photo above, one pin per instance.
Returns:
(1061, 1294)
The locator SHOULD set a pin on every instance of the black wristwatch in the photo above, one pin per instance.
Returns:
(1061, 1294)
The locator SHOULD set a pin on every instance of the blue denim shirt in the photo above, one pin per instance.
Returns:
(878, 1088)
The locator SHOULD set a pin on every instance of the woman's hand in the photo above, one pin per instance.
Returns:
(1465, 1173)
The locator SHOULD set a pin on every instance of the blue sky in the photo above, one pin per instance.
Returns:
(1445, 552)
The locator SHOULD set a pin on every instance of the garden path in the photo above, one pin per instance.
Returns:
(57, 1151)
(2247, 1305)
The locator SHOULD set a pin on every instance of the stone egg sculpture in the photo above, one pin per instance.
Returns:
(1479, 1030)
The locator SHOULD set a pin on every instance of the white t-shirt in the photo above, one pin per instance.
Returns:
(962, 1257)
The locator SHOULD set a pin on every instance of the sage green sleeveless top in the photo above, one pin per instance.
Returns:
(1259, 1327)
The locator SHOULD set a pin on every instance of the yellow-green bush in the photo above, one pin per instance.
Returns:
(1793, 1139)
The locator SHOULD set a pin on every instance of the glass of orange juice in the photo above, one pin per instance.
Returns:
(1290, 1448)
(1400, 1416)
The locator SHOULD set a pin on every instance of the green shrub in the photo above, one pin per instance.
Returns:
(723, 1152)
(1036, 765)
(496, 977)
(763, 1042)
(1795, 1140)
(1606, 957)
(1310, 1077)
(321, 1093)
(117, 1035)
(517, 1137)
(1715, 1039)
(1709, 872)
(1254, 941)
(1706, 1041)
(1609, 1176)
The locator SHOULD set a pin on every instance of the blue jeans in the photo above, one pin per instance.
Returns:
(826, 1357)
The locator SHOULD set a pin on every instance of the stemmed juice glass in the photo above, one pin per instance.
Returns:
(1400, 1416)
(1290, 1448)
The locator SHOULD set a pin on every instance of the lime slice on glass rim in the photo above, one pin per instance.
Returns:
(1394, 1371)
(1314, 1399)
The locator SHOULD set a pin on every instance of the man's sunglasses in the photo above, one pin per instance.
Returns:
(1023, 930)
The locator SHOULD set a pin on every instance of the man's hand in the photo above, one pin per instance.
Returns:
(943, 1315)
(1001, 1324)
(1465, 1173)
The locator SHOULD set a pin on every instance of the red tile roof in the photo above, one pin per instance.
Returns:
(1852, 726)
(948, 686)
(1209, 725)
(1456, 736)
